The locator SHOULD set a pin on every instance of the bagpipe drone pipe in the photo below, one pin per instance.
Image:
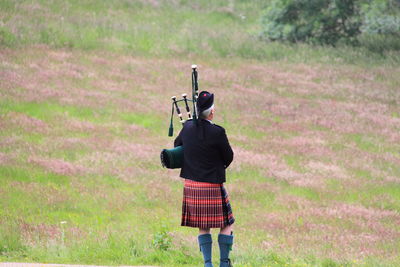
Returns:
(173, 158)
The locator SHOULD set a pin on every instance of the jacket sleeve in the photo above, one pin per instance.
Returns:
(178, 139)
(225, 149)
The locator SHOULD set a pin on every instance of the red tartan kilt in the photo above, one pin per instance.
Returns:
(205, 205)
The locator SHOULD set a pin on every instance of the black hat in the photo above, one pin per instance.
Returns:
(204, 101)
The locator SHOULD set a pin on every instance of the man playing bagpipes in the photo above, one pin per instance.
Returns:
(202, 151)
(206, 155)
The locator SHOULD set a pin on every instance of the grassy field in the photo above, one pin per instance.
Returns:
(84, 111)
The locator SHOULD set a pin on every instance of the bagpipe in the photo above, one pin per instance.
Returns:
(173, 158)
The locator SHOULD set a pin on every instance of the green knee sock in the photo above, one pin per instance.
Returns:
(205, 243)
(225, 245)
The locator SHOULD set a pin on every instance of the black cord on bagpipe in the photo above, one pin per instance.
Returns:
(171, 125)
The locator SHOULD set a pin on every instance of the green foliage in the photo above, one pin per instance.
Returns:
(331, 263)
(381, 26)
(379, 43)
(382, 17)
(10, 239)
(371, 24)
(162, 239)
(315, 21)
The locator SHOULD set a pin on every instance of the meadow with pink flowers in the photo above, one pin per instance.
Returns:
(315, 131)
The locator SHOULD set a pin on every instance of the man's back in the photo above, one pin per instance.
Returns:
(206, 151)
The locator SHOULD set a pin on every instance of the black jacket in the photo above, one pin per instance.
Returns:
(206, 151)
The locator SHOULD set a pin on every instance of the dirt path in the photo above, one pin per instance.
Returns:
(20, 264)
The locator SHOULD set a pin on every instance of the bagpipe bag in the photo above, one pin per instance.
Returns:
(172, 158)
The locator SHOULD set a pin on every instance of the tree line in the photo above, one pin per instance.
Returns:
(329, 22)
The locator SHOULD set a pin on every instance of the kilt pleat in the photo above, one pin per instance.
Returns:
(206, 205)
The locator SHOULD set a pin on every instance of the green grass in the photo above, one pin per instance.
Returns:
(247, 172)
(149, 121)
(30, 174)
(51, 111)
(46, 110)
(363, 174)
(368, 193)
(294, 162)
(11, 242)
(364, 143)
(304, 192)
(217, 28)
(120, 61)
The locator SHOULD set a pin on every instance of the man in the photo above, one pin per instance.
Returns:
(207, 154)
